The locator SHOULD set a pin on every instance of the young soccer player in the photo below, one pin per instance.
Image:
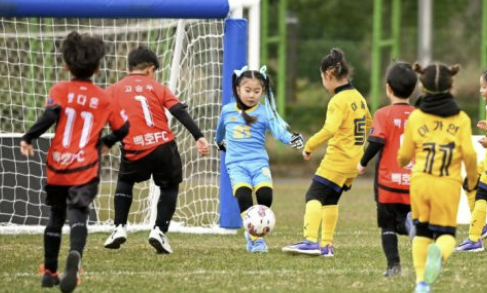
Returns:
(478, 229)
(438, 138)
(347, 122)
(391, 182)
(80, 110)
(241, 133)
(149, 148)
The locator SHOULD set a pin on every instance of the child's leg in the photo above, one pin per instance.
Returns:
(166, 206)
(264, 196)
(52, 237)
(123, 201)
(386, 219)
(423, 239)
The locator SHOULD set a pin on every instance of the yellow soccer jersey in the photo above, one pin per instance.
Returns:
(438, 145)
(347, 122)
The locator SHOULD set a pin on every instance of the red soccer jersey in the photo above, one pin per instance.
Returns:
(74, 154)
(392, 181)
(143, 100)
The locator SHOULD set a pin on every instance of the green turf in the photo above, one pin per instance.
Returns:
(221, 264)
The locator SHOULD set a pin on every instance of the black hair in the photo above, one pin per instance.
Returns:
(436, 78)
(402, 79)
(82, 54)
(142, 57)
(236, 80)
(484, 75)
(335, 63)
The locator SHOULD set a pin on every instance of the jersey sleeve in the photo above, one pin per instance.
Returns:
(378, 128)
(220, 128)
(333, 121)
(117, 118)
(406, 151)
(166, 97)
(57, 96)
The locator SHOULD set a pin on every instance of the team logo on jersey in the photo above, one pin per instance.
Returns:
(233, 118)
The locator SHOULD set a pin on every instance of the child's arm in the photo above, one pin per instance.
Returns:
(406, 151)
(220, 133)
(50, 116)
(332, 123)
(372, 149)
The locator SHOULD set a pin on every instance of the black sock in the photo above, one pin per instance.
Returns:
(123, 201)
(389, 245)
(52, 238)
(166, 206)
(79, 232)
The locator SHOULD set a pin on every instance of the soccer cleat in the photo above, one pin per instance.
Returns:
(69, 279)
(304, 247)
(422, 287)
(260, 246)
(250, 243)
(117, 238)
(470, 246)
(49, 279)
(392, 271)
(484, 233)
(410, 227)
(159, 241)
(433, 264)
(327, 251)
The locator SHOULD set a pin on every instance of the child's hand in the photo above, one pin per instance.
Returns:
(306, 155)
(202, 147)
(26, 149)
(222, 146)
(104, 149)
(360, 169)
(482, 124)
(297, 141)
(483, 142)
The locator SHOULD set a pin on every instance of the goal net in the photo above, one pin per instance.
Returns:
(190, 52)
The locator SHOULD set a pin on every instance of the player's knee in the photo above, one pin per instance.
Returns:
(332, 198)
(169, 194)
(423, 230)
(124, 188)
(264, 196)
(57, 219)
(244, 198)
(481, 194)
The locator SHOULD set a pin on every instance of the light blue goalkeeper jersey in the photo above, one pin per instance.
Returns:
(246, 143)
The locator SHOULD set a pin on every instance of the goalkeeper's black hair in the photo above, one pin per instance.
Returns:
(82, 54)
(335, 63)
(402, 79)
(484, 75)
(141, 58)
(236, 80)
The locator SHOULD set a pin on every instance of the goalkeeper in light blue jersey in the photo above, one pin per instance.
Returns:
(241, 133)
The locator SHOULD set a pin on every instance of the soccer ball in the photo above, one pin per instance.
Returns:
(259, 220)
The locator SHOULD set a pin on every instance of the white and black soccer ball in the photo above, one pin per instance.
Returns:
(259, 220)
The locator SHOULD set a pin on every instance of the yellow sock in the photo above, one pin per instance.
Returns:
(478, 220)
(471, 199)
(446, 243)
(329, 223)
(420, 252)
(312, 220)
(253, 238)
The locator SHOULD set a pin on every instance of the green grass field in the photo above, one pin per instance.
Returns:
(221, 264)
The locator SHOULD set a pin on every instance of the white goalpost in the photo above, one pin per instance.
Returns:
(188, 37)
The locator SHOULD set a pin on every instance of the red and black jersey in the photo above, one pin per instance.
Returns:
(84, 109)
(392, 181)
(144, 101)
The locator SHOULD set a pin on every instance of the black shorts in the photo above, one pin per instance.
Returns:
(75, 196)
(390, 216)
(164, 164)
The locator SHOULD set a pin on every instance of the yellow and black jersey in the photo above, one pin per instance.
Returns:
(438, 145)
(347, 122)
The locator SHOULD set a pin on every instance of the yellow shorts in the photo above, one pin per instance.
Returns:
(435, 200)
(343, 180)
